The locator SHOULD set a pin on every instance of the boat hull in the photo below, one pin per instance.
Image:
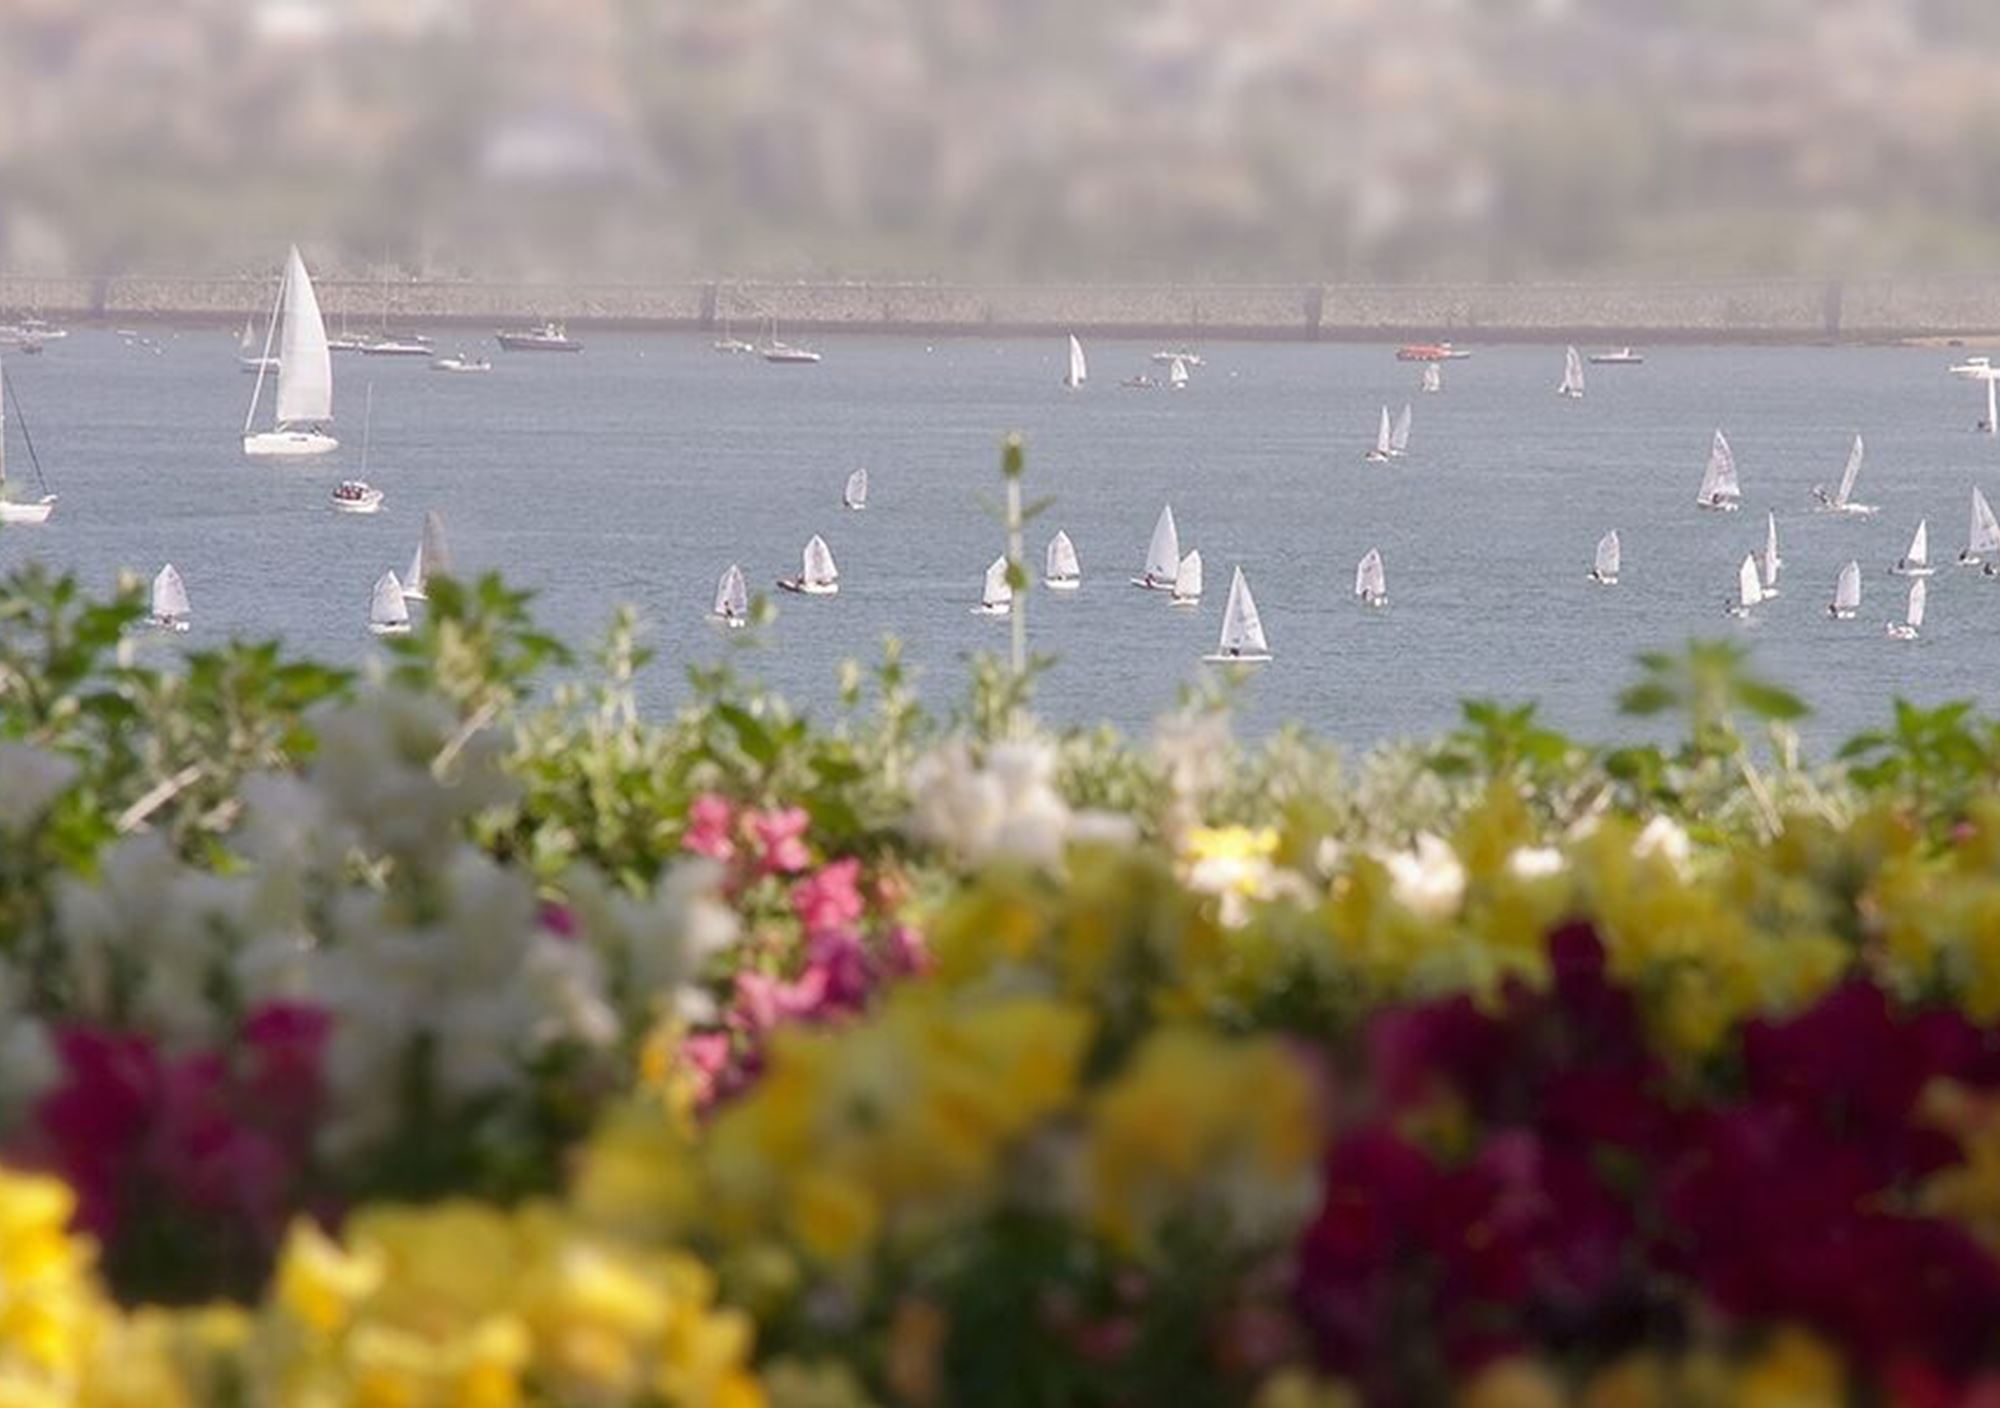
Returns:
(1905, 570)
(1605, 579)
(1061, 584)
(1236, 659)
(1152, 584)
(515, 342)
(793, 584)
(372, 504)
(1897, 631)
(1185, 601)
(37, 512)
(288, 444)
(1002, 610)
(253, 365)
(1724, 506)
(401, 628)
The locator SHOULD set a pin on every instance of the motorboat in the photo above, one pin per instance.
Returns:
(412, 346)
(1431, 352)
(356, 496)
(461, 361)
(783, 352)
(549, 337)
(1618, 357)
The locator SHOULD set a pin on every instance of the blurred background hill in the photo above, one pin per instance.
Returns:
(1002, 139)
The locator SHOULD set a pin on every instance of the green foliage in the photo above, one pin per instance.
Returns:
(1936, 760)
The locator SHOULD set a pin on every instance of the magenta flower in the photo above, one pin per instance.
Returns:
(830, 898)
(780, 838)
(711, 824)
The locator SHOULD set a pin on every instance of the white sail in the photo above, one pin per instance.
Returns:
(1370, 581)
(247, 344)
(817, 567)
(1847, 590)
(1849, 475)
(1919, 555)
(1749, 586)
(170, 598)
(1772, 562)
(996, 592)
(1433, 378)
(1608, 554)
(387, 610)
(1985, 534)
(1572, 382)
(1913, 614)
(1163, 554)
(732, 595)
(305, 365)
(1719, 485)
(431, 559)
(1187, 578)
(1079, 371)
(1399, 438)
(855, 495)
(1242, 629)
(1060, 561)
(1177, 373)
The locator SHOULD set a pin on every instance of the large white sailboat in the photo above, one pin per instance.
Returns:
(1770, 561)
(1916, 562)
(1604, 570)
(1749, 587)
(1842, 499)
(817, 574)
(996, 593)
(1163, 555)
(388, 611)
(855, 494)
(1572, 382)
(1242, 641)
(732, 599)
(24, 511)
(1061, 571)
(1720, 490)
(1079, 370)
(1187, 580)
(1913, 613)
(304, 375)
(170, 611)
(1846, 593)
(1984, 536)
(1371, 583)
(432, 559)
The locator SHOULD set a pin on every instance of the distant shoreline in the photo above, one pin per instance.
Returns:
(1936, 311)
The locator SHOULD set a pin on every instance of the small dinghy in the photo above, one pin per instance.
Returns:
(1720, 490)
(1571, 385)
(855, 495)
(388, 612)
(1433, 379)
(1916, 562)
(1846, 593)
(732, 599)
(1749, 587)
(432, 559)
(1079, 370)
(1984, 535)
(170, 601)
(1061, 571)
(1187, 580)
(1177, 375)
(1163, 555)
(1604, 571)
(1242, 640)
(817, 574)
(996, 595)
(1841, 500)
(1371, 583)
(1913, 613)
(1384, 440)
(1771, 562)
(1399, 437)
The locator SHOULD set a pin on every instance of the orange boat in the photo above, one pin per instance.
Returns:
(1430, 352)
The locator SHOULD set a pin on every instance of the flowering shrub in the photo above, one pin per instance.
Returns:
(425, 1041)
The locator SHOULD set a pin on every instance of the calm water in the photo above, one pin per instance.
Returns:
(638, 470)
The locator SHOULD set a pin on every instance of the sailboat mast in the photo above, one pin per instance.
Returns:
(264, 362)
(367, 427)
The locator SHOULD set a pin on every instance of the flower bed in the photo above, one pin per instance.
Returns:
(418, 1041)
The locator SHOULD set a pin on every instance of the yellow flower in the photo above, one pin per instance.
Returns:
(50, 1307)
(319, 1282)
(834, 1218)
(1295, 1388)
(1796, 1370)
(1513, 1383)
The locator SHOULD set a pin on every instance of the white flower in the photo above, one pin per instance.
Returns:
(30, 779)
(1007, 807)
(1535, 862)
(1663, 837)
(1427, 880)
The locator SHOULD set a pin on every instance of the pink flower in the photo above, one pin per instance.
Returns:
(763, 1003)
(905, 953)
(710, 822)
(830, 898)
(781, 847)
(557, 919)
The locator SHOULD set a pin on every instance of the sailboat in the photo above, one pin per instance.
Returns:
(1163, 555)
(432, 559)
(388, 612)
(1749, 587)
(1771, 561)
(355, 495)
(1985, 534)
(1604, 571)
(1720, 490)
(1433, 380)
(1079, 371)
(1917, 561)
(732, 599)
(1572, 382)
(170, 601)
(1399, 438)
(855, 495)
(11, 512)
(305, 375)
(1384, 440)
(1187, 580)
(1061, 572)
(247, 356)
(1242, 640)
(1842, 499)
(1371, 583)
(1177, 375)
(780, 352)
(996, 594)
(1846, 593)
(729, 344)
(817, 574)
(1913, 613)
(1982, 369)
